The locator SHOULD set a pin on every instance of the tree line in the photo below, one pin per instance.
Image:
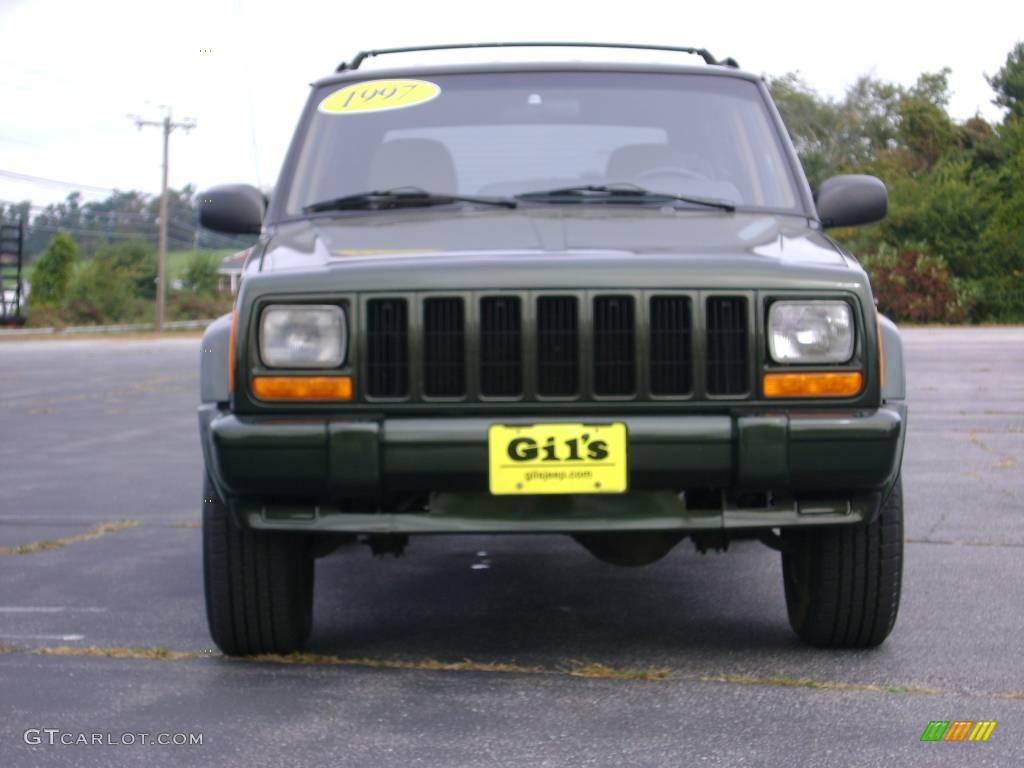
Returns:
(95, 262)
(952, 247)
(120, 217)
(118, 285)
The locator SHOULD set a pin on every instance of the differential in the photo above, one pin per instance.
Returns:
(630, 548)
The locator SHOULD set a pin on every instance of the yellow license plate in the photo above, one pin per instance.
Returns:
(557, 458)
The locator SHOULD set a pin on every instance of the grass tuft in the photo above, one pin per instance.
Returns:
(46, 544)
(466, 665)
(591, 670)
(596, 670)
(158, 653)
(827, 685)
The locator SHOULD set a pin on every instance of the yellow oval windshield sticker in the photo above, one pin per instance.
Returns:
(378, 96)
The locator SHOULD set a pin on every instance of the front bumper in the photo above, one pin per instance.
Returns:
(343, 474)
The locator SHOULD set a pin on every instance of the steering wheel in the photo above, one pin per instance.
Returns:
(670, 170)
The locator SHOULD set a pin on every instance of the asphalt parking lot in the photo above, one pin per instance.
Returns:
(488, 652)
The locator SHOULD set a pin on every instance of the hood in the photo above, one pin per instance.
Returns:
(551, 247)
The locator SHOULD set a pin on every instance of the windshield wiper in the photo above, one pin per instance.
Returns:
(401, 197)
(617, 193)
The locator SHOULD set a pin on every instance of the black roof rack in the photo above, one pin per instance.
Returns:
(702, 52)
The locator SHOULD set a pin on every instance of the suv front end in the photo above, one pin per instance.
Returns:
(483, 351)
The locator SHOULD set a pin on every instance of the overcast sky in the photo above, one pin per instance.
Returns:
(71, 71)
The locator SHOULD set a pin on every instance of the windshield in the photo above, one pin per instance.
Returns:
(504, 134)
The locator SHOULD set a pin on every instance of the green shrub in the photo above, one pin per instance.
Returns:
(997, 299)
(52, 272)
(1003, 238)
(136, 261)
(44, 316)
(191, 306)
(913, 286)
(201, 276)
(101, 293)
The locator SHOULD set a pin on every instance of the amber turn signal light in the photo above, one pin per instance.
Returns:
(845, 384)
(302, 387)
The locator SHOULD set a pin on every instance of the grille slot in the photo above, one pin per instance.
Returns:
(501, 346)
(444, 348)
(614, 346)
(727, 346)
(557, 346)
(671, 331)
(483, 347)
(387, 348)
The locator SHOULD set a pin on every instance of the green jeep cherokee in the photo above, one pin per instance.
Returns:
(577, 298)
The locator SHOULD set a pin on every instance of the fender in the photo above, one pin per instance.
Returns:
(894, 391)
(895, 385)
(213, 389)
(213, 361)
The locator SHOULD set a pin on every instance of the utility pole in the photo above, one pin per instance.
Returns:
(161, 270)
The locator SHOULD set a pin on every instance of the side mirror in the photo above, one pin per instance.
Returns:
(846, 201)
(235, 209)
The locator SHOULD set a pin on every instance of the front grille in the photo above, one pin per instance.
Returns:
(614, 346)
(633, 344)
(727, 346)
(670, 326)
(557, 346)
(444, 348)
(387, 348)
(501, 346)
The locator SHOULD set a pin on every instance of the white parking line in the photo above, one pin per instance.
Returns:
(64, 638)
(46, 609)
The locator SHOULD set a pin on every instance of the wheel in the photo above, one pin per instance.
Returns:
(843, 583)
(258, 584)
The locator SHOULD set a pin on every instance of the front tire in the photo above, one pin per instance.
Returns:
(843, 583)
(258, 584)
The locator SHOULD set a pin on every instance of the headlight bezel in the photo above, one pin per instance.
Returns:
(848, 354)
(334, 362)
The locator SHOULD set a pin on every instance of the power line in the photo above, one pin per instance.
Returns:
(247, 80)
(13, 140)
(104, 228)
(94, 233)
(218, 240)
(77, 84)
(89, 207)
(88, 211)
(54, 182)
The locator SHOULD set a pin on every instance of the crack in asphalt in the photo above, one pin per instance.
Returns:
(964, 542)
(1005, 462)
(590, 670)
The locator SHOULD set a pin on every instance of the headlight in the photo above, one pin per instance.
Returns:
(810, 332)
(303, 336)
